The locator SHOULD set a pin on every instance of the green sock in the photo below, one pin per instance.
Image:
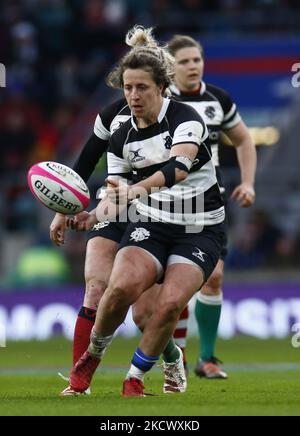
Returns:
(208, 312)
(171, 352)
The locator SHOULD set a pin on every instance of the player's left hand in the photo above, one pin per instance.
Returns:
(244, 194)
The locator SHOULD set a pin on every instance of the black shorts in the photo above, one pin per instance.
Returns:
(169, 244)
(108, 230)
(224, 250)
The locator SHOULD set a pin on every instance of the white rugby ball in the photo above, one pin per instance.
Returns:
(58, 187)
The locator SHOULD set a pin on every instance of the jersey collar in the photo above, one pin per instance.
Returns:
(173, 88)
(161, 115)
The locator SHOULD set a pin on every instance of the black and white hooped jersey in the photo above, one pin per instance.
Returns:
(136, 154)
(216, 108)
(111, 118)
(107, 121)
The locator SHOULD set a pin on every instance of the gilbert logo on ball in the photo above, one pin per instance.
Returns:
(58, 187)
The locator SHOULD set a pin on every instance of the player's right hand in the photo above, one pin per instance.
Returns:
(82, 222)
(57, 229)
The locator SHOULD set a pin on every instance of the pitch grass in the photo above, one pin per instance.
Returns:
(264, 380)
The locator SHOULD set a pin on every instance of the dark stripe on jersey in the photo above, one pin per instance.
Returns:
(128, 176)
(89, 156)
(203, 159)
(144, 173)
(119, 107)
(219, 176)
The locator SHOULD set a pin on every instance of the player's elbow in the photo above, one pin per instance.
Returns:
(180, 175)
(244, 141)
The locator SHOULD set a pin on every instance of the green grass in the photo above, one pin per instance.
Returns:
(264, 380)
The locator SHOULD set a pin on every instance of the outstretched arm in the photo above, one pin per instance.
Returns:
(240, 137)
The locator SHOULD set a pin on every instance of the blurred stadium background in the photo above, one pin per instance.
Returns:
(56, 54)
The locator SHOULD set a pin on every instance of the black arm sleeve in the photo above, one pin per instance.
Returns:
(90, 156)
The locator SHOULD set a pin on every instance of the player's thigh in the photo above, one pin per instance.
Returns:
(213, 285)
(181, 282)
(133, 272)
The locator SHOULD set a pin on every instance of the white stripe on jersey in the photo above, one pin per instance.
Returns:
(148, 152)
(215, 154)
(201, 108)
(233, 123)
(191, 131)
(100, 130)
(117, 165)
(117, 122)
(230, 113)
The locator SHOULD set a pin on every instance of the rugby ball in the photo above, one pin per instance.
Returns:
(58, 187)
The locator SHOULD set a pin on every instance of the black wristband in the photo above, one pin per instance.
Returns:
(169, 170)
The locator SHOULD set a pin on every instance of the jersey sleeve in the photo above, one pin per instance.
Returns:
(117, 165)
(90, 156)
(189, 127)
(231, 115)
(105, 118)
(191, 132)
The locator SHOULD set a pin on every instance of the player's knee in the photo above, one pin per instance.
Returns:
(94, 291)
(213, 286)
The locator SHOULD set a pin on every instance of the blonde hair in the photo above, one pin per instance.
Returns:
(145, 54)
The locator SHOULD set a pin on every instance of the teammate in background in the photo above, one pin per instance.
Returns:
(163, 240)
(220, 114)
(100, 249)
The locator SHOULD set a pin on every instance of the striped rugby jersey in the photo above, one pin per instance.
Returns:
(111, 118)
(136, 154)
(218, 111)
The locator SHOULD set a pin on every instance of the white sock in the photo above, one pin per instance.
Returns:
(135, 372)
(99, 344)
(210, 300)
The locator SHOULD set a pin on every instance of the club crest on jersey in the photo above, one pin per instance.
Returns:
(136, 156)
(210, 112)
(199, 254)
(168, 142)
(139, 234)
